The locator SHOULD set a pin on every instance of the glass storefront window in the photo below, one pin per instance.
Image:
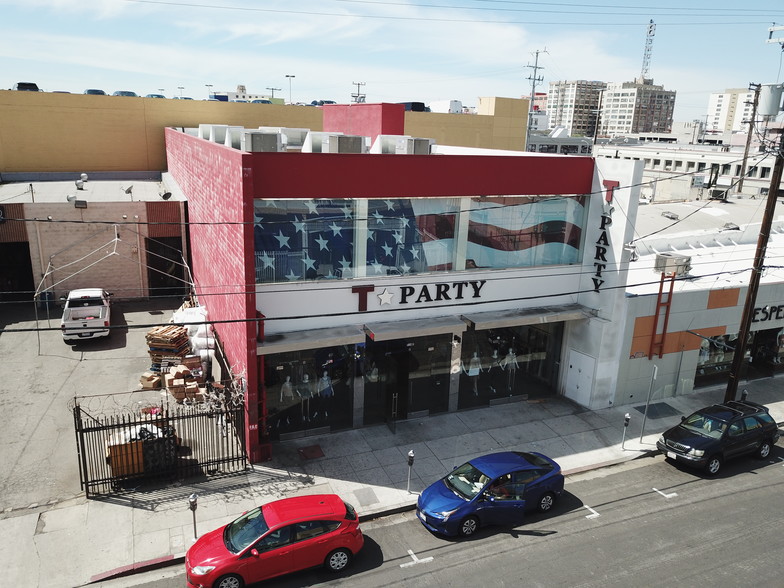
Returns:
(309, 389)
(498, 364)
(406, 378)
(298, 240)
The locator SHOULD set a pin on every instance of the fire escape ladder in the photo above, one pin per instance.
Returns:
(663, 302)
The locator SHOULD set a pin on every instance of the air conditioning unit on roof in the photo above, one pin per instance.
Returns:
(672, 263)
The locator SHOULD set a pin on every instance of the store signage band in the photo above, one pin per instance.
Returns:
(768, 313)
(439, 292)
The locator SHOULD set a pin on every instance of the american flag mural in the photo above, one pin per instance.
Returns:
(315, 239)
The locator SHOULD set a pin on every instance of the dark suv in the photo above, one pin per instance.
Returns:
(719, 432)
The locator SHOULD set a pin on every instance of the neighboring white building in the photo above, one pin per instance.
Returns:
(575, 106)
(694, 172)
(730, 110)
(636, 107)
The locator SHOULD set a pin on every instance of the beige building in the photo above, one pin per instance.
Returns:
(636, 107)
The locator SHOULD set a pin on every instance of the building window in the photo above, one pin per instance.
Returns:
(297, 240)
(764, 172)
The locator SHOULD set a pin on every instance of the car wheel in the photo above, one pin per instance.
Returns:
(764, 450)
(469, 526)
(338, 560)
(230, 581)
(546, 502)
(713, 466)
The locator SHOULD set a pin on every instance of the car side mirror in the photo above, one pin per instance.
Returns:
(683, 418)
(254, 552)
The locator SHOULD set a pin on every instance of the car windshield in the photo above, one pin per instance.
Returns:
(245, 530)
(466, 481)
(706, 425)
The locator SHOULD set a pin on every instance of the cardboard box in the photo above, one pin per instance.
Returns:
(180, 371)
(126, 459)
(148, 376)
(150, 384)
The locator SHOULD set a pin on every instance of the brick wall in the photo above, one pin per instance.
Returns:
(219, 195)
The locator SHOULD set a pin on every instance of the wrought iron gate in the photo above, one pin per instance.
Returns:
(159, 443)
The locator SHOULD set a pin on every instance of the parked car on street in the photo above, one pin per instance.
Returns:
(261, 101)
(86, 315)
(494, 489)
(155, 96)
(277, 538)
(712, 435)
(26, 87)
(125, 93)
(95, 92)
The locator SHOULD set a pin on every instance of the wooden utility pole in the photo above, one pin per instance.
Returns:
(756, 273)
(756, 88)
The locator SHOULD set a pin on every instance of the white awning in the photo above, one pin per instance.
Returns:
(313, 339)
(419, 328)
(528, 316)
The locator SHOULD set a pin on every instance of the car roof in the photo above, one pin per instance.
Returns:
(299, 508)
(498, 464)
(732, 409)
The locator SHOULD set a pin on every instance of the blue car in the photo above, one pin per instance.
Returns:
(494, 489)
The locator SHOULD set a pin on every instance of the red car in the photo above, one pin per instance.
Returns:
(274, 539)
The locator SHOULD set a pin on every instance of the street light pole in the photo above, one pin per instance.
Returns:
(290, 77)
(180, 88)
(209, 90)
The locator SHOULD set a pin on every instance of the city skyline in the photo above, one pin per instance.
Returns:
(423, 50)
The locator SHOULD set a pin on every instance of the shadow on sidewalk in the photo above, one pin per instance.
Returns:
(252, 482)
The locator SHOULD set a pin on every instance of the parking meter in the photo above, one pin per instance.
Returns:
(192, 504)
(410, 465)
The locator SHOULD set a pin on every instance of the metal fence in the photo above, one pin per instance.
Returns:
(158, 444)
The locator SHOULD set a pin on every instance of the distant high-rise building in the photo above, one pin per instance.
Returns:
(574, 105)
(636, 107)
(730, 110)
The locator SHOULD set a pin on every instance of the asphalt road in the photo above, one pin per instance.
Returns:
(645, 523)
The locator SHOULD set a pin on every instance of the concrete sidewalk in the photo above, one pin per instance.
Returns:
(85, 541)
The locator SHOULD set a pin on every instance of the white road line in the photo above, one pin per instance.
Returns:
(782, 460)
(593, 514)
(416, 560)
(670, 495)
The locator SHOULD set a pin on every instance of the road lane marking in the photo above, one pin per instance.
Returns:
(670, 495)
(416, 560)
(593, 514)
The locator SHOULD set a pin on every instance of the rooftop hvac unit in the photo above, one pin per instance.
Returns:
(345, 144)
(672, 263)
(417, 146)
(259, 141)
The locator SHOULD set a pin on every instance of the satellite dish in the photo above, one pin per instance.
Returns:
(79, 185)
(70, 198)
(166, 195)
(129, 189)
(84, 177)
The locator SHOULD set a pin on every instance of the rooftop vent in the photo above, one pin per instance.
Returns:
(731, 227)
(670, 215)
(672, 263)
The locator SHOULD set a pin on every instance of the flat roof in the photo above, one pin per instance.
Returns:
(93, 191)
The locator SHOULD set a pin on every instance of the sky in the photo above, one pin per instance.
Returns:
(400, 50)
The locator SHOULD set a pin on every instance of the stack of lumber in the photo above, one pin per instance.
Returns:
(168, 346)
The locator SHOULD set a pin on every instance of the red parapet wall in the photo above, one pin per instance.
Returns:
(367, 120)
(344, 175)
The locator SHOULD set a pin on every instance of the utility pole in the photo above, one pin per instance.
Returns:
(534, 80)
(754, 104)
(756, 273)
(358, 96)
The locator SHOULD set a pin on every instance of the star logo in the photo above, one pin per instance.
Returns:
(283, 240)
(385, 297)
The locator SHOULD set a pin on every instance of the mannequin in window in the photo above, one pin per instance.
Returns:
(704, 351)
(510, 365)
(494, 368)
(305, 391)
(325, 393)
(286, 390)
(473, 371)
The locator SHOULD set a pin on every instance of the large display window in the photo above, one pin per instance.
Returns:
(309, 389)
(498, 365)
(296, 240)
